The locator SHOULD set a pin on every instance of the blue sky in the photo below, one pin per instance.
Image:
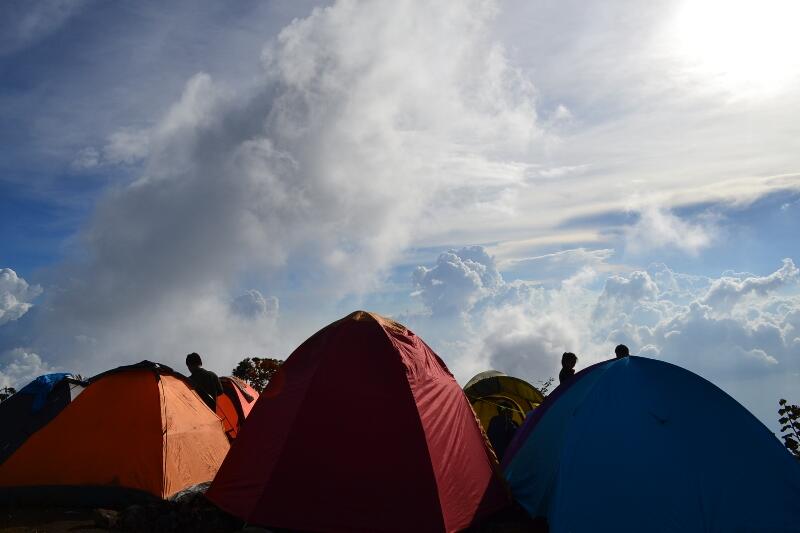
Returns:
(511, 179)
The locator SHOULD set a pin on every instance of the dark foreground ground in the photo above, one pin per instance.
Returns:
(196, 515)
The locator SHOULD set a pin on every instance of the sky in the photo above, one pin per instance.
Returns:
(510, 179)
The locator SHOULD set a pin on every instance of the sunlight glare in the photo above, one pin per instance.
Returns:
(746, 46)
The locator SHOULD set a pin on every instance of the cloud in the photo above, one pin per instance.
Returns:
(459, 279)
(622, 294)
(319, 172)
(20, 366)
(252, 305)
(523, 328)
(727, 291)
(15, 296)
(551, 269)
(659, 228)
(26, 23)
(127, 147)
(86, 158)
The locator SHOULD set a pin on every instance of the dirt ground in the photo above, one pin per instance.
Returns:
(60, 520)
(56, 520)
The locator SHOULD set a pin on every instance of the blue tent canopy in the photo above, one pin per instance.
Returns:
(41, 387)
(33, 407)
(637, 444)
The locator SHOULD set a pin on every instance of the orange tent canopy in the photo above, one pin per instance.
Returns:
(135, 432)
(234, 404)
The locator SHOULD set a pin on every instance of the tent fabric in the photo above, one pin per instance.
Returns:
(637, 444)
(234, 404)
(362, 429)
(32, 407)
(140, 429)
(487, 390)
(40, 387)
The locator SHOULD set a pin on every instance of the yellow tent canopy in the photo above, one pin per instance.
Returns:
(492, 390)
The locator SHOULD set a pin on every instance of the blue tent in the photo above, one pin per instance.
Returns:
(33, 407)
(636, 444)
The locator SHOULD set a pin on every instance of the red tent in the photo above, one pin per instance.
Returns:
(362, 429)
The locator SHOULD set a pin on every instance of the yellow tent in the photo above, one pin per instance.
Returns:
(493, 390)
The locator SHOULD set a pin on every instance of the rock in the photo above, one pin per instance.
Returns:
(105, 518)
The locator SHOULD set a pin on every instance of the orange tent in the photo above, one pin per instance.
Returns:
(136, 432)
(234, 404)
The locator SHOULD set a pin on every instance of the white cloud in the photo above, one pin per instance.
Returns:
(15, 296)
(459, 279)
(522, 329)
(20, 366)
(321, 171)
(252, 305)
(727, 291)
(659, 228)
(126, 147)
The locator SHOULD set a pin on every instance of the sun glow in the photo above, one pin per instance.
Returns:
(746, 46)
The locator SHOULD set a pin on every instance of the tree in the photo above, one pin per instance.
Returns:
(544, 386)
(257, 371)
(6, 393)
(790, 427)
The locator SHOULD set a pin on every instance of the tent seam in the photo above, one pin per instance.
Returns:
(397, 350)
(163, 404)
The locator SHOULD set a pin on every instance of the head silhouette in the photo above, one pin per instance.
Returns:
(568, 360)
(622, 351)
(193, 360)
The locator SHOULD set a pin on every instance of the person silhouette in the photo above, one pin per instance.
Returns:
(568, 360)
(205, 382)
(621, 351)
(502, 428)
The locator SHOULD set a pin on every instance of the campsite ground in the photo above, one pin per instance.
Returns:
(62, 520)
(56, 520)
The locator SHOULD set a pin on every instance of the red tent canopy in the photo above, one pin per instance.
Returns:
(362, 429)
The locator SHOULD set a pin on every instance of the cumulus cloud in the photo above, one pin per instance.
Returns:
(15, 296)
(19, 366)
(362, 114)
(458, 280)
(622, 294)
(659, 228)
(523, 328)
(727, 291)
(252, 305)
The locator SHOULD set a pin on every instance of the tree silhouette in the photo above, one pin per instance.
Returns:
(257, 371)
(790, 427)
(6, 393)
(544, 385)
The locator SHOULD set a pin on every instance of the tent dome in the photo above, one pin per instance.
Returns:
(135, 433)
(489, 389)
(33, 407)
(637, 444)
(363, 428)
(234, 404)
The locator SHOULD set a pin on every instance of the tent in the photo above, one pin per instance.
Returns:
(234, 404)
(637, 444)
(33, 406)
(363, 428)
(488, 390)
(501, 403)
(135, 433)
